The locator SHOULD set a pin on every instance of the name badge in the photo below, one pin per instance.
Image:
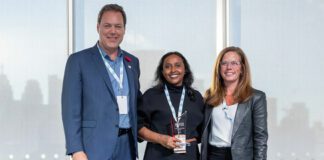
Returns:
(122, 104)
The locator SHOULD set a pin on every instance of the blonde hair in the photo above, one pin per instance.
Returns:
(216, 93)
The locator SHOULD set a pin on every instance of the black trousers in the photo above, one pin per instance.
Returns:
(216, 153)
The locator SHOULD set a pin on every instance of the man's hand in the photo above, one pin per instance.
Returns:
(79, 156)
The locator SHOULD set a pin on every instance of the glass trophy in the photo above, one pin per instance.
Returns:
(180, 133)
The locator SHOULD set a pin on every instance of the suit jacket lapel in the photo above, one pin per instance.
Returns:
(240, 113)
(129, 70)
(102, 70)
(208, 112)
(131, 84)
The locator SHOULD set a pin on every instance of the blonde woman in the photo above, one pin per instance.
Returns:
(235, 113)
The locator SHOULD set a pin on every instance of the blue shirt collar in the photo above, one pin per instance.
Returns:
(104, 54)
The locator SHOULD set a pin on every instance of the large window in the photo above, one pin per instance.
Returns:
(156, 27)
(282, 39)
(33, 42)
(283, 42)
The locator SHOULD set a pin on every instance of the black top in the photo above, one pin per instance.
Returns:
(155, 114)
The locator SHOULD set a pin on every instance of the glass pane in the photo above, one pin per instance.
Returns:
(156, 27)
(283, 41)
(33, 51)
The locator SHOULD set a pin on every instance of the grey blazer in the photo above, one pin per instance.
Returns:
(250, 133)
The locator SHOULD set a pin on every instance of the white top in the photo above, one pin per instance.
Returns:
(222, 122)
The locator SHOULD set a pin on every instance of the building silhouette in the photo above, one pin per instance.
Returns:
(293, 138)
(30, 127)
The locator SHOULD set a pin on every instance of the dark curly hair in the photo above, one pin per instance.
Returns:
(187, 79)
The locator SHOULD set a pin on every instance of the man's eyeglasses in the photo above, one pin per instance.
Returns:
(231, 63)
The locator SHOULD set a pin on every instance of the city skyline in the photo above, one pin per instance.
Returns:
(281, 38)
(38, 126)
(147, 75)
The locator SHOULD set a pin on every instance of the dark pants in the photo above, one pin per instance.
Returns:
(216, 153)
(125, 149)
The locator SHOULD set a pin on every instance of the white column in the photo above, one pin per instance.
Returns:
(222, 24)
(70, 23)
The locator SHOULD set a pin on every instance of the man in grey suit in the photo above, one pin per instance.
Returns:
(100, 91)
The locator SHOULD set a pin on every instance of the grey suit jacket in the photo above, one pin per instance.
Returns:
(250, 133)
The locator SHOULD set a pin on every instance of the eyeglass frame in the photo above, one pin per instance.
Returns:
(231, 63)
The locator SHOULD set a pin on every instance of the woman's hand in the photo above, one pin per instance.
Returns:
(168, 141)
(191, 140)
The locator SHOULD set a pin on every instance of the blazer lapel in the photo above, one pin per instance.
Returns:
(102, 70)
(129, 70)
(208, 112)
(131, 84)
(240, 113)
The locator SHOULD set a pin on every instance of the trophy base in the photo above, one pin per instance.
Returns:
(182, 144)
